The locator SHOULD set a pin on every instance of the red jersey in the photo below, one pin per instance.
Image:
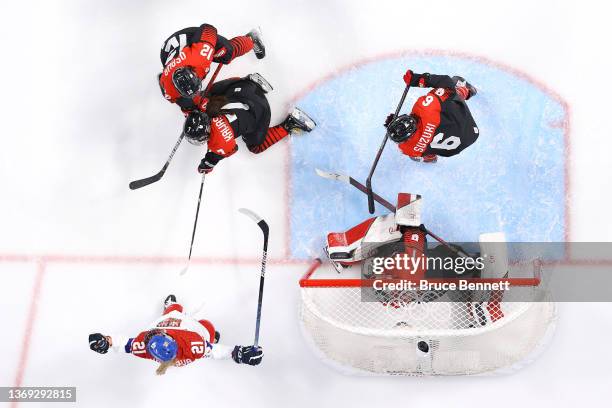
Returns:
(445, 125)
(192, 338)
(198, 55)
(222, 139)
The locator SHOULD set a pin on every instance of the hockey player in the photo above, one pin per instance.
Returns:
(440, 123)
(186, 57)
(176, 339)
(239, 108)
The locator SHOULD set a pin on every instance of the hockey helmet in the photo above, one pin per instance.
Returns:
(186, 81)
(197, 128)
(162, 347)
(402, 127)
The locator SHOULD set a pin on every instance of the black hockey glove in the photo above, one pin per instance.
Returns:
(389, 119)
(205, 166)
(98, 343)
(250, 355)
(209, 162)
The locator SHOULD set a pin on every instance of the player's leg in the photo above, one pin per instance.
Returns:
(273, 135)
(226, 50)
(296, 122)
(170, 305)
(213, 334)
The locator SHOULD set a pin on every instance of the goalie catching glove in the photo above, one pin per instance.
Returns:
(250, 355)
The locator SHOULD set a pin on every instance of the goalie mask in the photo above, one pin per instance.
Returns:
(197, 128)
(186, 82)
(162, 347)
(402, 128)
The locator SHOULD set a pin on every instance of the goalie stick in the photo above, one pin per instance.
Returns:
(136, 184)
(380, 150)
(266, 232)
(356, 184)
(386, 204)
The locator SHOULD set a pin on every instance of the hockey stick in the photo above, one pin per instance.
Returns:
(136, 184)
(195, 225)
(356, 184)
(380, 150)
(386, 204)
(266, 232)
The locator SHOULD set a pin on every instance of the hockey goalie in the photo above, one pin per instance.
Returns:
(402, 233)
(176, 339)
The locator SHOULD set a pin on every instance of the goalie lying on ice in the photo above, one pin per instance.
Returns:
(176, 339)
(399, 235)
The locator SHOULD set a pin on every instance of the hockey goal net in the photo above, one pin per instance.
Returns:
(412, 334)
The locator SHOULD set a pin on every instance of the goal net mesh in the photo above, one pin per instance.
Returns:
(407, 334)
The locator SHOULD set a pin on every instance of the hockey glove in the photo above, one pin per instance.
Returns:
(205, 166)
(99, 343)
(250, 355)
(389, 119)
(408, 77)
(463, 88)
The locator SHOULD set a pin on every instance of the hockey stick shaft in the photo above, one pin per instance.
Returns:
(358, 186)
(266, 233)
(443, 242)
(212, 79)
(134, 185)
(379, 153)
(195, 221)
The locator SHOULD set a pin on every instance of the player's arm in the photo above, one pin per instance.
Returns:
(205, 33)
(426, 80)
(250, 355)
(222, 144)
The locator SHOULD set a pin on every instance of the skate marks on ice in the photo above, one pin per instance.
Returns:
(512, 179)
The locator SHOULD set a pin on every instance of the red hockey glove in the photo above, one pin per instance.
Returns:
(408, 77)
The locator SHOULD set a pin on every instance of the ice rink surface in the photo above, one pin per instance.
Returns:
(80, 252)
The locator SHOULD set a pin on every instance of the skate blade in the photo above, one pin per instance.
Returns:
(261, 81)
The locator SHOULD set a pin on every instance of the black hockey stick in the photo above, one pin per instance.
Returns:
(380, 150)
(136, 184)
(386, 204)
(266, 232)
(357, 185)
(195, 224)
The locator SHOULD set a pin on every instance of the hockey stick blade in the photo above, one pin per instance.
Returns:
(333, 176)
(136, 184)
(258, 220)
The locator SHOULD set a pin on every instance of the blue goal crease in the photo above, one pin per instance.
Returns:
(510, 180)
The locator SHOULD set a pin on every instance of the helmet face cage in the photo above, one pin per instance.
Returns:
(197, 128)
(186, 82)
(403, 127)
